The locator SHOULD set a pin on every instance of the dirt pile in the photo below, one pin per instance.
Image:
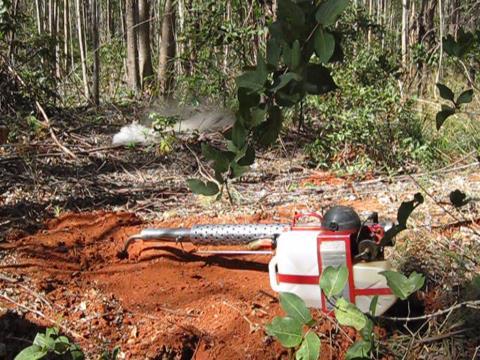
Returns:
(163, 302)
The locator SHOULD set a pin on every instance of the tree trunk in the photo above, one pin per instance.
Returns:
(110, 25)
(132, 59)
(81, 44)
(96, 57)
(167, 50)
(144, 52)
(38, 7)
(66, 34)
(405, 6)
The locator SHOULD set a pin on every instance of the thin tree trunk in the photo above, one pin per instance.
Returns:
(132, 59)
(405, 6)
(110, 28)
(11, 45)
(144, 52)
(66, 34)
(167, 50)
(81, 44)
(38, 7)
(440, 37)
(96, 57)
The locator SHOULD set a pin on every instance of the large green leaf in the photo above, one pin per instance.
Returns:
(274, 51)
(333, 280)
(359, 350)
(247, 99)
(251, 80)
(268, 131)
(296, 55)
(291, 13)
(199, 187)
(295, 307)
(310, 348)
(330, 10)
(44, 340)
(465, 97)
(33, 352)
(284, 80)
(324, 43)
(348, 314)
(248, 158)
(445, 92)
(443, 115)
(402, 286)
(461, 46)
(237, 169)
(318, 79)
(239, 134)
(287, 330)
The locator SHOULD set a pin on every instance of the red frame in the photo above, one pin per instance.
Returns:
(328, 236)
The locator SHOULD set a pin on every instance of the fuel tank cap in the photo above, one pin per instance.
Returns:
(340, 218)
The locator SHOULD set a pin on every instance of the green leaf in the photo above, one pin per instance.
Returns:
(310, 348)
(333, 280)
(237, 170)
(373, 305)
(251, 80)
(458, 198)
(296, 56)
(295, 307)
(324, 43)
(33, 352)
(268, 131)
(248, 158)
(318, 79)
(274, 51)
(329, 11)
(404, 212)
(445, 92)
(367, 331)
(199, 187)
(402, 286)
(62, 344)
(465, 97)
(284, 80)
(443, 115)
(257, 117)
(247, 99)
(76, 353)
(239, 134)
(359, 350)
(287, 330)
(348, 314)
(291, 13)
(44, 341)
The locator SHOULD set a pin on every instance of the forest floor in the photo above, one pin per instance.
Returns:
(63, 222)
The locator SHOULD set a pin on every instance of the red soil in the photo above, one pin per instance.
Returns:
(165, 302)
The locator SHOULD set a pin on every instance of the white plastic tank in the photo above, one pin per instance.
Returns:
(302, 254)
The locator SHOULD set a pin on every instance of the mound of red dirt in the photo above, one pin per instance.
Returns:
(166, 302)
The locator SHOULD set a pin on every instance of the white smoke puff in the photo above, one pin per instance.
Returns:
(134, 134)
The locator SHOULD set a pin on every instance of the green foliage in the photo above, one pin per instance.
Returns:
(281, 79)
(348, 314)
(403, 213)
(199, 187)
(366, 125)
(310, 347)
(287, 330)
(50, 343)
(295, 307)
(111, 355)
(402, 286)
(333, 280)
(446, 93)
(359, 350)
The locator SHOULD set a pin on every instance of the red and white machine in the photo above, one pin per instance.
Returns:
(303, 250)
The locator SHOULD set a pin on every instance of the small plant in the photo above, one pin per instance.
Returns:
(110, 355)
(51, 342)
(57, 210)
(289, 329)
(162, 126)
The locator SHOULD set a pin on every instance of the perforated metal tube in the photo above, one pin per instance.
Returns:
(233, 234)
(229, 234)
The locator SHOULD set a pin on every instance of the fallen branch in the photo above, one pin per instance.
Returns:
(474, 304)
